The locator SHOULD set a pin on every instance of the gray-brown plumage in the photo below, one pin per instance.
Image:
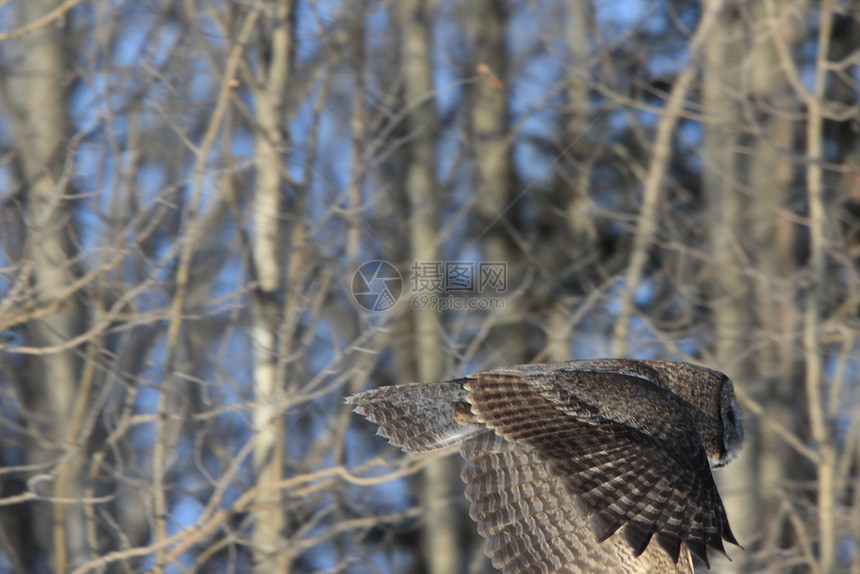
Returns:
(579, 466)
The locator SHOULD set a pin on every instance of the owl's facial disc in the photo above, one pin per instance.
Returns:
(733, 430)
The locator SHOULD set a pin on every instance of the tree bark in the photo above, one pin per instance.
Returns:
(494, 180)
(771, 242)
(821, 414)
(34, 102)
(441, 548)
(275, 55)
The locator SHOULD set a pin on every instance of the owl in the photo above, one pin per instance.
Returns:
(580, 466)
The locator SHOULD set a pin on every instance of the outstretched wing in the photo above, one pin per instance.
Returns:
(532, 522)
(654, 482)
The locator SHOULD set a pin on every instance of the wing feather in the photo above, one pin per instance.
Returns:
(650, 482)
(420, 417)
(532, 522)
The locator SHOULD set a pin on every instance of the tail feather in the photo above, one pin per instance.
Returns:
(418, 417)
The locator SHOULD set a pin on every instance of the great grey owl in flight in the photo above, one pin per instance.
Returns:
(579, 466)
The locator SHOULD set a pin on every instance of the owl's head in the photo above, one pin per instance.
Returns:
(715, 410)
(733, 428)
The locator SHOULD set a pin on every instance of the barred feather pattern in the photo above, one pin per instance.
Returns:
(621, 476)
(532, 523)
(580, 466)
(417, 417)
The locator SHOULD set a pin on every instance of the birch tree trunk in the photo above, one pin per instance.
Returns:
(772, 238)
(730, 292)
(821, 414)
(440, 527)
(577, 178)
(275, 59)
(495, 182)
(34, 102)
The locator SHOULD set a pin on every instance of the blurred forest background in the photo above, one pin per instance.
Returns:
(188, 188)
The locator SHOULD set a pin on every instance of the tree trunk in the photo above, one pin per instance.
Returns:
(271, 553)
(772, 239)
(730, 292)
(34, 101)
(494, 181)
(576, 181)
(440, 525)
